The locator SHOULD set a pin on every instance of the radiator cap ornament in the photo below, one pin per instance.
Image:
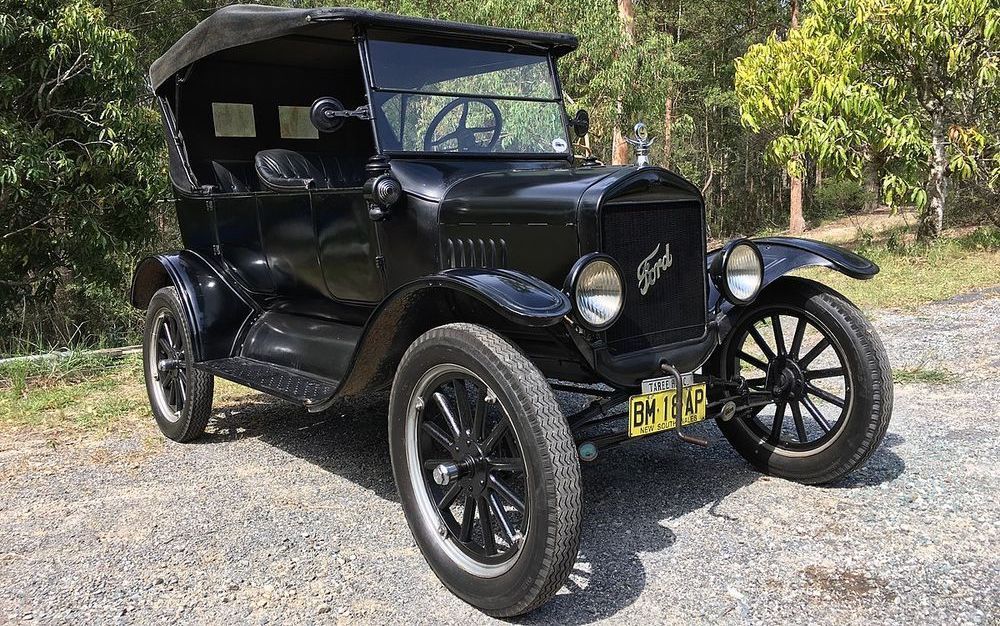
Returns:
(641, 141)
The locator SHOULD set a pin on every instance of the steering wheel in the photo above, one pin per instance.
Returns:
(465, 136)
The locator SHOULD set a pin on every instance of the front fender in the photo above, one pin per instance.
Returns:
(516, 296)
(494, 297)
(783, 255)
(217, 313)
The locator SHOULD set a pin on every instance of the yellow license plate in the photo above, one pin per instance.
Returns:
(650, 413)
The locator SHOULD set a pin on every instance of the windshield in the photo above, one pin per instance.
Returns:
(443, 99)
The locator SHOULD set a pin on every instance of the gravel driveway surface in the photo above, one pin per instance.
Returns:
(281, 516)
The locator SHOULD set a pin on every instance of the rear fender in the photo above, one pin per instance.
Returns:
(217, 313)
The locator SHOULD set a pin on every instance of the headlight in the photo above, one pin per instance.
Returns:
(597, 290)
(739, 271)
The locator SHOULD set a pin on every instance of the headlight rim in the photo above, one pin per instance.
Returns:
(720, 267)
(573, 280)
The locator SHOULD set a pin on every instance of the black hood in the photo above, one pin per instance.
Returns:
(546, 192)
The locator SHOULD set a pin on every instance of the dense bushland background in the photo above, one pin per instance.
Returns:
(781, 113)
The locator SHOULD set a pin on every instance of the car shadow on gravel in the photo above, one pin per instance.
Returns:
(348, 440)
(631, 495)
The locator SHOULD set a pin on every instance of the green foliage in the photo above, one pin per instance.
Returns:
(80, 168)
(882, 78)
(835, 198)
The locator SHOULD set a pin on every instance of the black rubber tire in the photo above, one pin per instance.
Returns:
(200, 384)
(868, 419)
(551, 543)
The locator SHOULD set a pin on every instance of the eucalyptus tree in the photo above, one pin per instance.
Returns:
(79, 165)
(915, 81)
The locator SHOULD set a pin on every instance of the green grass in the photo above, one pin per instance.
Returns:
(922, 374)
(84, 395)
(913, 273)
(75, 393)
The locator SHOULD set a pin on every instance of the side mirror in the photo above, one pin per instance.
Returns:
(580, 123)
(326, 115)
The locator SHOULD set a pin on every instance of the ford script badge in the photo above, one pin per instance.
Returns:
(649, 270)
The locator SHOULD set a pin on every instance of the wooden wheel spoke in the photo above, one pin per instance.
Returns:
(814, 352)
(828, 372)
(816, 414)
(447, 413)
(506, 493)
(779, 418)
(502, 520)
(501, 464)
(752, 360)
(489, 541)
(479, 419)
(468, 517)
(164, 346)
(438, 435)
(182, 390)
(495, 436)
(464, 406)
(825, 395)
(800, 331)
(449, 496)
(759, 340)
(779, 335)
(800, 427)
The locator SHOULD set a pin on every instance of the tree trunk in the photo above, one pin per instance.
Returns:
(667, 129)
(626, 19)
(932, 218)
(872, 186)
(796, 223)
(794, 21)
(818, 178)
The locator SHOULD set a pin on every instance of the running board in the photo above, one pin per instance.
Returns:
(282, 382)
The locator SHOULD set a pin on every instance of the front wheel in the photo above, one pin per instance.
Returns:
(820, 383)
(486, 469)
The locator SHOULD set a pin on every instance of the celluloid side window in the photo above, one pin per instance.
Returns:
(233, 119)
(295, 123)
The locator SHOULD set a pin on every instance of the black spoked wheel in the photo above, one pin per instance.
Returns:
(486, 469)
(170, 367)
(472, 466)
(820, 383)
(179, 394)
(792, 360)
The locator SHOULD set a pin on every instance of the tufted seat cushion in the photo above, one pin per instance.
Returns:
(287, 170)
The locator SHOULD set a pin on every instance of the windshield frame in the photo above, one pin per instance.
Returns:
(371, 89)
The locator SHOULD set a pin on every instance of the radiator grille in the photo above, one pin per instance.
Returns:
(673, 307)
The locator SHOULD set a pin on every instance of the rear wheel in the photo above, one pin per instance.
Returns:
(179, 394)
(486, 469)
(820, 383)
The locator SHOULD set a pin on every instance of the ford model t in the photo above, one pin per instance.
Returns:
(372, 202)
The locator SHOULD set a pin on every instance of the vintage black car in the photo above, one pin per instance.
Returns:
(372, 202)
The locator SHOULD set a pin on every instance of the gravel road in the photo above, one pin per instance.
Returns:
(281, 516)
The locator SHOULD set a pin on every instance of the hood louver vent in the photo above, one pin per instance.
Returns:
(460, 252)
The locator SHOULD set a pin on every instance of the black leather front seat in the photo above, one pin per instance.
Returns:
(287, 170)
(234, 176)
